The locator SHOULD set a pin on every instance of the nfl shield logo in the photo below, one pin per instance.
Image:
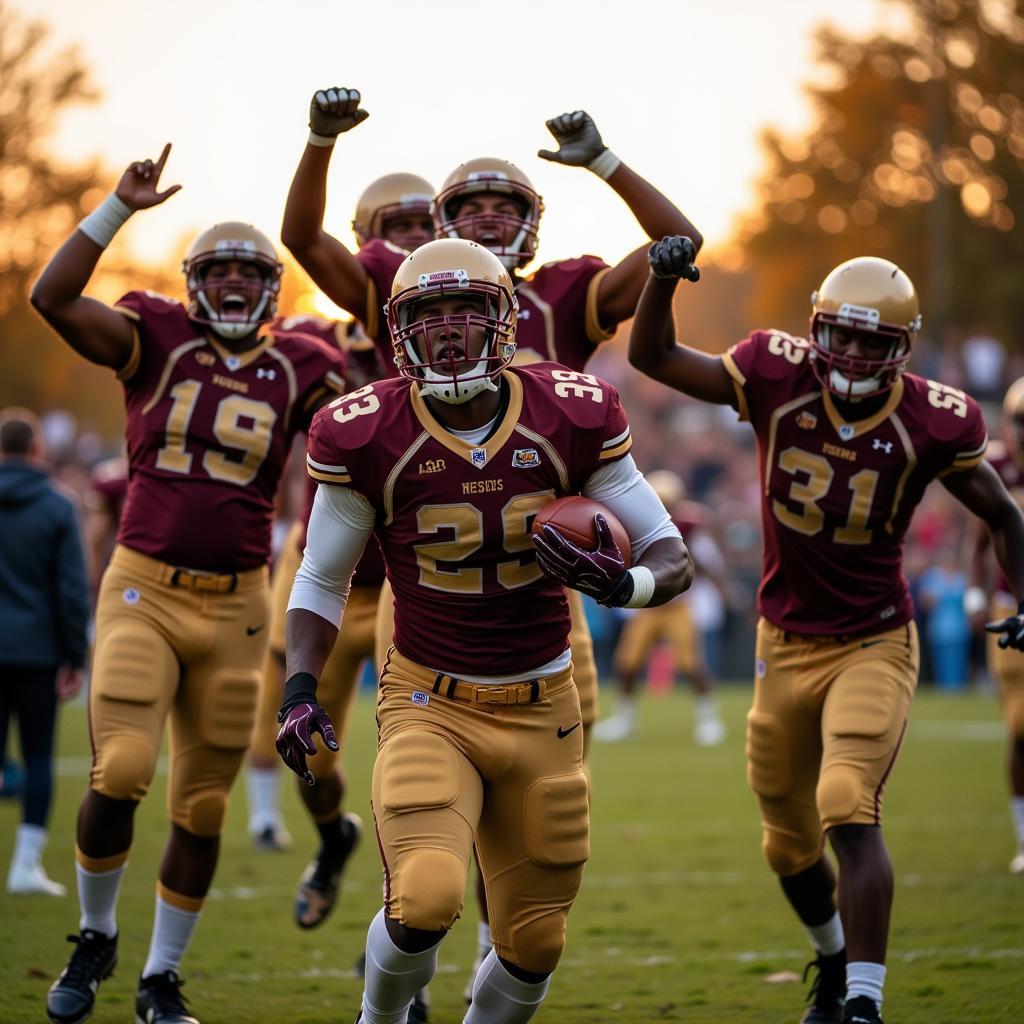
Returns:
(478, 456)
(846, 431)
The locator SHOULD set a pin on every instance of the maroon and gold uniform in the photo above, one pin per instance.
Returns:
(472, 609)
(837, 498)
(182, 612)
(1004, 662)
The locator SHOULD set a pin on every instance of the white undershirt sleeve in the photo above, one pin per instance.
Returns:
(339, 526)
(624, 490)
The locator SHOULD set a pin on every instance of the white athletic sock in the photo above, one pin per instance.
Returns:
(827, 938)
(392, 977)
(625, 707)
(865, 979)
(500, 998)
(29, 846)
(262, 787)
(483, 939)
(172, 932)
(707, 706)
(1017, 807)
(97, 896)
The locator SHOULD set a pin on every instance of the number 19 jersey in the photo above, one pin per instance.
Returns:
(837, 496)
(453, 519)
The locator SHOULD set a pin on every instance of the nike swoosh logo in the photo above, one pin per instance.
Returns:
(870, 643)
(253, 630)
(562, 733)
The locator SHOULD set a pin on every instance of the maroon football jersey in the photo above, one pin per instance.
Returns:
(453, 519)
(208, 433)
(557, 319)
(837, 497)
(1011, 472)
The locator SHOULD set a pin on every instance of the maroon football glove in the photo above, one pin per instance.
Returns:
(300, 717)
(601, 573)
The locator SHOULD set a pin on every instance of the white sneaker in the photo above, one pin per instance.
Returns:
(272, 838)
(709, 732)
(27, 879)
(614, 729)
(1017, 864)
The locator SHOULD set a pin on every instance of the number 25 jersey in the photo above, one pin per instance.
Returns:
(453, 519)
(837, 496)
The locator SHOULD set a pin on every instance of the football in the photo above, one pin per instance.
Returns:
(573, 517)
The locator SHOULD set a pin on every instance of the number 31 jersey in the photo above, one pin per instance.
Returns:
(837, 496)
(208, 432)
(453, 519)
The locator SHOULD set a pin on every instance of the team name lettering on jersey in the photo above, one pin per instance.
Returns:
(482, 486)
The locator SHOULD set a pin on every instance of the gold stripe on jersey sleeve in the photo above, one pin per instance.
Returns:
(773, 427)
(552, 454)
(592, 318)
(549, 319)
(620, 449)
(172, 360)
(959, 465)
(738, 382)
(328, 478)
(908, 449)
(131, 367)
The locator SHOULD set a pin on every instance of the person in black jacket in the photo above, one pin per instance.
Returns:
(44, 610)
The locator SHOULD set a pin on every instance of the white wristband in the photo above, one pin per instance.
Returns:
(643, 587)
(605, 164)
(106, 220)
(325, 141)
(974, 601)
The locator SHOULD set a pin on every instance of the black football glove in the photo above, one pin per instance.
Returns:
(1012, 629)
(578, 139)
(672, 258)
(335, 110)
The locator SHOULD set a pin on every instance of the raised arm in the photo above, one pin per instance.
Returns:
(333, 268)
(653, 349)
(982, 492)
(92, 328)
(580, 145)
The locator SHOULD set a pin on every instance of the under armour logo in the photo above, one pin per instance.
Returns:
(269, 374)
(880, 445)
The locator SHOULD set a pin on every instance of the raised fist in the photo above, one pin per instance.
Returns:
(578, 139)
(335, 110)
(137, 188)
(672, 258)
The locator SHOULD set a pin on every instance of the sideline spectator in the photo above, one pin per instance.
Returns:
(44, 608)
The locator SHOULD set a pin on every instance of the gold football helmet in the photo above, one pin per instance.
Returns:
(490, 174)
(393, 194)
(869, 295)
(668, 486)
(445, 268)
(233, 316)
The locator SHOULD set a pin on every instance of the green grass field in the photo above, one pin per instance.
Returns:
(678, 919)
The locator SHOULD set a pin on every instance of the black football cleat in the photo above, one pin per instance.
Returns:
(73, 995)
(159, 1000)
(318, 887)
(861, 1010)
(827, 991)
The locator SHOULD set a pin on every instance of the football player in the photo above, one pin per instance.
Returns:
(848, 441)
(1007, 459)
(566, 308)
(395, 210)
(212, 405)
(479, 721)
(673, 623)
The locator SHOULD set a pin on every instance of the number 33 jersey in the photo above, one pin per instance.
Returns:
(208, 432)
(837, 496)
(453, 518)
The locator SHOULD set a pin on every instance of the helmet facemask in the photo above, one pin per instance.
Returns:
(439, 350)
(522, 229)
(856, 377)
(256, 300)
